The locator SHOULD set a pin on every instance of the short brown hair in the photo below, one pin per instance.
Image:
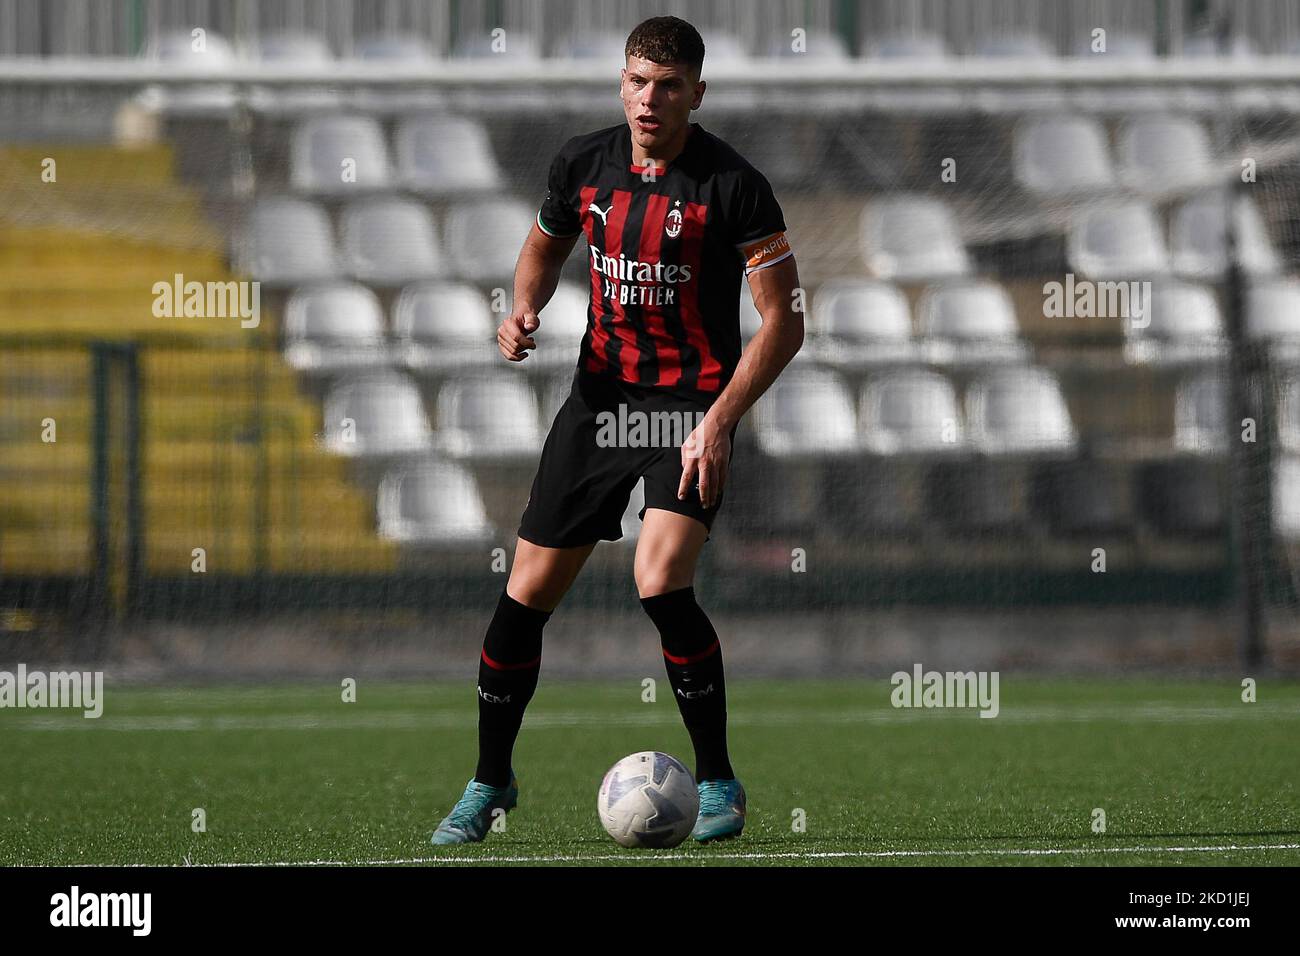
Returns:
(667, 40)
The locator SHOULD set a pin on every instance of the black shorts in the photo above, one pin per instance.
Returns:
(590, 463)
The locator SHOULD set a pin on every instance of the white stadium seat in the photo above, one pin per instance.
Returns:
(817, 46)
(288, 241)
(1289, 419)
(1200, 414)
(563, 324)
(444, 325)
(909, 411)
(511, 46)
(1018, 410)
(484, 238)
(1286, 496)
(908, 237)
(376, 414)
(444, 155)
(488, 416)
(861, 322)
(1163, 152)
(1198, 234)
(1060, 155)
(390, 241)
(184, 53)
(1272, 307)
(907, 46)
(1181, 324)
(433, 503)
(294, 49)
(393, 48)
(339, 155)
(1019, 46)
(1116, 241)
(806, 412)
(969, 321)
(334, 326)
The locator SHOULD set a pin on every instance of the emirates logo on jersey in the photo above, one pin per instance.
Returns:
(673, 224)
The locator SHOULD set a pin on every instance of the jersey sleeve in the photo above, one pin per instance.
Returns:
(558, 216)
(759, 226)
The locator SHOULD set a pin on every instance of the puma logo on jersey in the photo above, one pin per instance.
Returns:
(602, 213)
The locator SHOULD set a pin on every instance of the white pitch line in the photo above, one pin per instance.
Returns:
(632, 855)
(468, 719)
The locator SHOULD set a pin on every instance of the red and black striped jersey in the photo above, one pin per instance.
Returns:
(666, 250)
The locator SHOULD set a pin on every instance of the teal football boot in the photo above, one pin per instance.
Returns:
(471, 818)
(722, 810)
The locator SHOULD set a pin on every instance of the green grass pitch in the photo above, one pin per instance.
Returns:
(1186, 773)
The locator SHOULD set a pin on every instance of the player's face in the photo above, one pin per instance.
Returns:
(657, 100)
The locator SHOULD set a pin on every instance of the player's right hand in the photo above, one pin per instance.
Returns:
(514, 335)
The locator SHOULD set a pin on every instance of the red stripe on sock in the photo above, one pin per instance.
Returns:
(498, 666)
(692, 658)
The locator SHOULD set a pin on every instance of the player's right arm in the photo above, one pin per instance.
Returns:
(537, 273)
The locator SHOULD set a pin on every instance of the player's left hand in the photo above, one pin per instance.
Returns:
(705, 456)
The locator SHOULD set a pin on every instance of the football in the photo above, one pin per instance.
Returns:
(648, 799)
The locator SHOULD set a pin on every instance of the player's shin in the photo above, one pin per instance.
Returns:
(507, 677)
(693, 659)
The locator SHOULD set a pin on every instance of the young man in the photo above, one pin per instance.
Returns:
(673, 217)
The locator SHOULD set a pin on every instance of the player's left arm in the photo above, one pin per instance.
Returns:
(707, 451)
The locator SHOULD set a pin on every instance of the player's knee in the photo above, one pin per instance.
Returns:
(660, 578)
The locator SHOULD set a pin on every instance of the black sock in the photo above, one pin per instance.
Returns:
(693, 659)
(507, 677)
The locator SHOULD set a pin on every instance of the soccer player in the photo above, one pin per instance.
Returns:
(673, 217)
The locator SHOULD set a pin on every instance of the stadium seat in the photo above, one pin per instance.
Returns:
(389, 241)
(1161, 153)
(1238, 46)
(444, 155)
(1183, 497)
(488, 416)
(969, 322)
(817, 46)
(1013, 45)
(806, 412)
(393, 48)
(909, 411)
(328, 147)
(176, 51)
(592, 48)
(1198, 234)
(1083, 497)
(1289, 408)
(444, 325)
(1286, 496)
(386, 414)
(1120, 45)
(1116, 241)
(563, 324)
(484, 238)
(513, 46)
(907, 46)
(723, 47)
(1200, 414)
(1059, 155)
(288, 241)
(1182, 324)
(1018, 410)
(335, 326)
(856, 323)
(434, 503)
(911, 237)
(1271, 310)
(294, 49)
